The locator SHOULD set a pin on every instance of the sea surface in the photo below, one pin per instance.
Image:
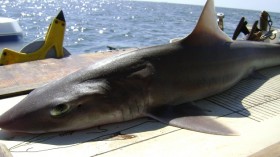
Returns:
(94, 25)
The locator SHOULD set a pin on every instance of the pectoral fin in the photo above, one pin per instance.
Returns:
(189, 117)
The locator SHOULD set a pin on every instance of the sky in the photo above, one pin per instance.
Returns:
(260, 5)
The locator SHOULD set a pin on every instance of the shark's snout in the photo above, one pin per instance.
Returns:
(3, 122)
(17, 123)
(7, 121)
(18, 120)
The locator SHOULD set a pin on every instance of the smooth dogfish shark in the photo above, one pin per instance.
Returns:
(157, 82)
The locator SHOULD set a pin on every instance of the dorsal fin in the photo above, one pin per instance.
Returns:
(207, 31)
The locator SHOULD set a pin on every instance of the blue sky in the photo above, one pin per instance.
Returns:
(268, 5)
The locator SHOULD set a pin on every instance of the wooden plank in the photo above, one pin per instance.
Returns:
(21, 78)
(251, 108)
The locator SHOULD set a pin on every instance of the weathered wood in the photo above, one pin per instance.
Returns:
(251, 108)
(21, 78)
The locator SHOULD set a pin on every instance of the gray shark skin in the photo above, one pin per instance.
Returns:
(155, 82)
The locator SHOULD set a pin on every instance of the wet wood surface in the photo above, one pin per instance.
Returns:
(21, 78)
(251, 108)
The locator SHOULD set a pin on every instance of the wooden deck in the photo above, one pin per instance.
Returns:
(252, 108)
(21, 78)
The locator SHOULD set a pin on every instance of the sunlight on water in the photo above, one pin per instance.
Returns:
(93, 25)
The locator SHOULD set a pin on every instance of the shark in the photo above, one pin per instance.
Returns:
(160, 82)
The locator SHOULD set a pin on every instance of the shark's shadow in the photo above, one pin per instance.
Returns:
(249, 93)
(127, 130)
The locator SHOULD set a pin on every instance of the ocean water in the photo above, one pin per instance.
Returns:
(94, 25)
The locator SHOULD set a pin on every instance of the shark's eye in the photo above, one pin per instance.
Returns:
(59, 110)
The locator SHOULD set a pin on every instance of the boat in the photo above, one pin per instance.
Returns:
(251, 108)
(10, 30)
(261, 30)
